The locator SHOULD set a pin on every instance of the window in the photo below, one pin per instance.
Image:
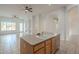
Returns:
(21, 27)
(3, 26)
(13, 26)
(8, 26)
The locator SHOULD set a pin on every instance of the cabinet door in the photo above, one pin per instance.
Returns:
(53, 45)
(48, 49)
(48, 46)
(58, 41)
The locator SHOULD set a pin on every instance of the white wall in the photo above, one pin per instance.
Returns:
(46, 22)
(64, 24)
(49, 24)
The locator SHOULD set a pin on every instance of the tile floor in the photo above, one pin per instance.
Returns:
(70, 46)
(10, 44)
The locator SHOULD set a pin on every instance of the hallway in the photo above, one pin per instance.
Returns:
(70, 46)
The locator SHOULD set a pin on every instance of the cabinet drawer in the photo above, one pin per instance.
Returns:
(48, 42)
(41, 51)
(37, 47)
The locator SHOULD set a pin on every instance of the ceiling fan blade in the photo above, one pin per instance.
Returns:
(30, 11)
(30, 8)
(26, 7)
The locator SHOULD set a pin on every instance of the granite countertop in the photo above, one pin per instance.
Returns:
(35, 39)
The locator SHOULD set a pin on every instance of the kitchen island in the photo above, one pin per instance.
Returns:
(39, 44)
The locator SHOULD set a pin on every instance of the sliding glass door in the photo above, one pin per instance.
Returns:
(8, 26)
(13, 26)
(3, 26)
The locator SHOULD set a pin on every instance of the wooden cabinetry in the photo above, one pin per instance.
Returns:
(25, 47)
(46, 47)
(38, 46)
(40, 51)
(55, 43)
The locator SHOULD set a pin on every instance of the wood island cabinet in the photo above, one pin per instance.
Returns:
(55, 43)
(48, 46)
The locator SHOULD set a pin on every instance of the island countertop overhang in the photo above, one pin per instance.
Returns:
(35, 39)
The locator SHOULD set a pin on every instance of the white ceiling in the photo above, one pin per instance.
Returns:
(44, 8)
(18, 9)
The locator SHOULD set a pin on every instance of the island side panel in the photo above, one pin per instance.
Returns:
(55, 43)
(58, 41)
(25, 48)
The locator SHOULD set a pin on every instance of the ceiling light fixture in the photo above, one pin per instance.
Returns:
(28, 9)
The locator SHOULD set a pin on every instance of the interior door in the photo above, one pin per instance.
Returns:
(73, 21)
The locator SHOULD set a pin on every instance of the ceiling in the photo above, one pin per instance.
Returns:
(18, 9)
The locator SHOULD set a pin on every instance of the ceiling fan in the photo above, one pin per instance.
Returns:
(28, 9)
